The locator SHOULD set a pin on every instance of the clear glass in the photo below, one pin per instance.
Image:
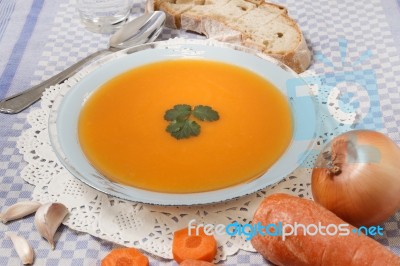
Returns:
(103, 16)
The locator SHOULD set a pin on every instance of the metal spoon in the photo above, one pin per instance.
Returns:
(141, 30)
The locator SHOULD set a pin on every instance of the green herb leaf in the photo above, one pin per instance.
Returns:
(183, 129)
(180, 126)
(180, 112)
(205, 113)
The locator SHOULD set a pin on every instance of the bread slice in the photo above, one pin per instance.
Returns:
(252, 23)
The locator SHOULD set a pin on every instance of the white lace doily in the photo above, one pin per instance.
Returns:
(150, 227)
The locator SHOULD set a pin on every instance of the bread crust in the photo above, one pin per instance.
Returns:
(298, 59)
(208, 18)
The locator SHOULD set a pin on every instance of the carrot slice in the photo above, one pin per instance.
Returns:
(194, 246)
(125, 257)
(196, 263)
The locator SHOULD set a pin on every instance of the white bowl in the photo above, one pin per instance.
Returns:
(64, 116)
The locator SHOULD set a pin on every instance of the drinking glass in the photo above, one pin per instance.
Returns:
(103, 16)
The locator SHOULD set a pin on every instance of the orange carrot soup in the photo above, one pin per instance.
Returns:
(124, 133)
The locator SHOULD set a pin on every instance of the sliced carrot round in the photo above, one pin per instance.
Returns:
(195, 246)
(125, 257)
(196, 263)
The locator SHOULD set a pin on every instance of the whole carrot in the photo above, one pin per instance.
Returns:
(337, 244)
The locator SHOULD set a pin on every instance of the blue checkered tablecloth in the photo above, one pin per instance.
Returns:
(359, 40)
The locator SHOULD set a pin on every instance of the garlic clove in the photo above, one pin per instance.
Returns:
(48, 218)
(23, 248)
(19, 210)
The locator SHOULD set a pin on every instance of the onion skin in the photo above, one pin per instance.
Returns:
(357, 177)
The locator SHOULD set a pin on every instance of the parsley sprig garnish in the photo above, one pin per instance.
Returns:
(181, 126)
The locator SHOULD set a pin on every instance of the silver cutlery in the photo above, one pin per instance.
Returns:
(143, 29)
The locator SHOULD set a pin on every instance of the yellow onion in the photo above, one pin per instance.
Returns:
(357, 176)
